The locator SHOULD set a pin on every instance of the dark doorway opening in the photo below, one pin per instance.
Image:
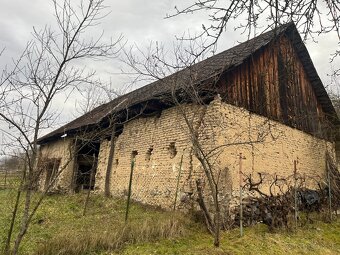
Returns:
(87, 159)
(51, 168)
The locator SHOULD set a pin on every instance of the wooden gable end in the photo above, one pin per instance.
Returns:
(272, 82)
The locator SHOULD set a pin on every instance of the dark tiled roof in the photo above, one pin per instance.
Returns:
(199, 72)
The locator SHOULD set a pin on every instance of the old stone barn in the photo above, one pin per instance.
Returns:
(262, 98)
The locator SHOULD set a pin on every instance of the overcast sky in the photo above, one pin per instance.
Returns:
(139, 21)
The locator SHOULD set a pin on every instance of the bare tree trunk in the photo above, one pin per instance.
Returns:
(209, 173)
(217, 223)
(201, 203)
(31, 161)
(213, 185)
(109, 164)
(25, 221)
(14, 213)
(5, 181)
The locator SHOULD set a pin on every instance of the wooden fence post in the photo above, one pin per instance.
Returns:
(295, 193)
(178, 178)
(129, 190)
(241, 206)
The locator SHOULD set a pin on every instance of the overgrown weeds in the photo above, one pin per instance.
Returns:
(59, 227)
(114, 238)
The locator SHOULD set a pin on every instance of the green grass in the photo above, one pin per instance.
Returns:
(319, 238)
(9, 180)
(59, 222)
(60, 228)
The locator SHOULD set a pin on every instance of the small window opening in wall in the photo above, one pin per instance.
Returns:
(116, 162)
(134, 154)
(149, 153)
(172, 150)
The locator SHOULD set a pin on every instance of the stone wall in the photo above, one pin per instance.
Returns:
(162, 143)
(270, 147)
(161, 146)
(64, 150)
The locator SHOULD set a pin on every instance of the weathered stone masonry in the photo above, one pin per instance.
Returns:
(157, 167)
(161, 141)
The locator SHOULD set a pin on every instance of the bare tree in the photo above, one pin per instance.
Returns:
(93, 95)
(313, 17)
(252, 17)
(221, 15)
(50, 66)
(191, 98)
